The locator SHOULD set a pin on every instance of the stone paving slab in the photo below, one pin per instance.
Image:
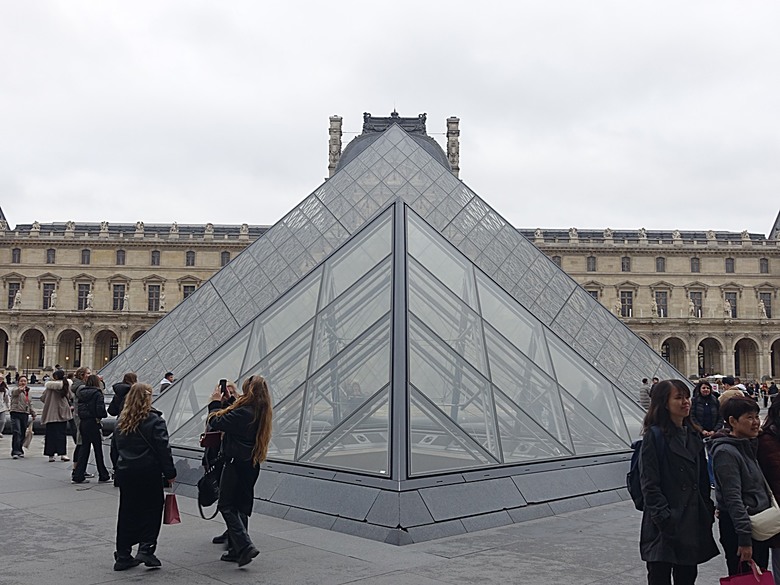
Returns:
(54, 532)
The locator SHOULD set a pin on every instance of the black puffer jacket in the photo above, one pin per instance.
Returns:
(118, 401)
(705, 412)
(240, 430)
(145, 450)
(91, 403)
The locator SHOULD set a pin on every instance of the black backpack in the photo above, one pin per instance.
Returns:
(633, 483)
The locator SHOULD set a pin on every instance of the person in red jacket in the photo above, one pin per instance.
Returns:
(769, 460)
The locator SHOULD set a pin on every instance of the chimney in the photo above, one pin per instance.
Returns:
(453, 144)
(334, 144)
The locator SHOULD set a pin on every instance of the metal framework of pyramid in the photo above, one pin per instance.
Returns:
(432, 371)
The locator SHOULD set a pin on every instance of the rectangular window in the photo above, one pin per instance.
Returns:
(189, 258)
(766, 298)
(662, 303)
(120, 257)
(13, 288)
(695, 265)
(86, 256)
(82, 298)
(155, 257)
(591, 264)
(119, 297)
(660, 264)
(763, 265)
(224, 258)
(50, 256)
(594, 294)
(48, 288)
(625, 264)
(626, 303)
(696, 298)
(557, 261)
(188, 289)
(16, 256)
(730, 265)
(731, 299)
(154, 297)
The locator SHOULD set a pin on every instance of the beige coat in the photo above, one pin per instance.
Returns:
(56, 407)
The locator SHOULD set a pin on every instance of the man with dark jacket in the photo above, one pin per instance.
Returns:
(120, 391)
(91, 409)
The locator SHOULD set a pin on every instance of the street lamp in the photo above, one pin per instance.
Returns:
(66, 363)
(27, 371)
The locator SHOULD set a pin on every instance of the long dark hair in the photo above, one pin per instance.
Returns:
(60, 376)
(256, 395)
(772, 421)
(697, 388)
(93, 381)
(658, 413)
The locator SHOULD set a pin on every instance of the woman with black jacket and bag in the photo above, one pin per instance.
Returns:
(769, 460)
(676, 533)
(246, 428)
(142, 459)
(91, 406)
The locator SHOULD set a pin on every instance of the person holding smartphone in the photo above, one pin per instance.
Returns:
(229, 393)
(246, 434)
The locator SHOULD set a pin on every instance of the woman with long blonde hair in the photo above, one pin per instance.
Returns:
(246, 433)
(142, 459)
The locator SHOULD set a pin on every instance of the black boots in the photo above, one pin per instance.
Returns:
(124, 561)
(146, 555)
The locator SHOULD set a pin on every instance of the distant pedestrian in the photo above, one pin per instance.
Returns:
(56, 413)
(5, 404)
(141, 456)
(644, 395)
(676, 533)
(652, 385)
(92, 409)
(167, 381)
(120, 392)
(21, 410)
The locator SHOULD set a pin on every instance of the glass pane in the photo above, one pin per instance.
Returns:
(363, 253)
(361, 443)
(286, 425)
(283, 318)
(513, 322)
(436, 444)
(452, 385)
(522, 439)
(165, 402)
(352, 313)
(587, 432)
(345, 383)
(286, 367)
(589, 387)
(450, 319)
(632, 414)
(527, 385)
(441, 258)
(188, 435)
(197, 386)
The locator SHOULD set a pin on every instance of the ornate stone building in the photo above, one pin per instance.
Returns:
(78, 293)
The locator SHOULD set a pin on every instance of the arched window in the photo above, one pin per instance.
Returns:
(695, 265)
(224, 258)
(50, 255)
(591, 264)
(155, 257)
(763, 265)
(86, 256)
(625, 264)
(189, 258)
(660, 264)
(16, 256)
(730, 265)
(120, 257)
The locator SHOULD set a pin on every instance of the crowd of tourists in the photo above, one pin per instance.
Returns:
(697, 442)
(140, 451)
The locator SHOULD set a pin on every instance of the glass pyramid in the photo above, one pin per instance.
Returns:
(406, 330)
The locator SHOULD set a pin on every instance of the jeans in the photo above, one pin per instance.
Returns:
(19, 427)
(90, 437)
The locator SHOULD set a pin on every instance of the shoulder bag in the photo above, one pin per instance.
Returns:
(208, 486)
(766, 523)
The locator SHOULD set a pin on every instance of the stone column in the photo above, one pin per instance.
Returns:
(334, 144)
(693, 355)
(15, 357)
(728, 356)
(453, 144)
(50, 349)
(88, 348)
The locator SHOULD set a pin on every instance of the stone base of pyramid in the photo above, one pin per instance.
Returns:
(427, 508)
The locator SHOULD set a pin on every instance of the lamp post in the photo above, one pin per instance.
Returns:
(66, 363)
(27, 371)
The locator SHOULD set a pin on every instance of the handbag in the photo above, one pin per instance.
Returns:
(171, 510)
(28, 436)
(211, 439)
(766, 523)
(754, 578)
(208, 486)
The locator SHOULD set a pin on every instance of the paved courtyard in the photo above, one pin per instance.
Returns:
(57, 533)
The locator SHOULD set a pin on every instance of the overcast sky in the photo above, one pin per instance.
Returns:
(621, 114)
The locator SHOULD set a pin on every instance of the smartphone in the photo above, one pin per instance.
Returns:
(223, 387)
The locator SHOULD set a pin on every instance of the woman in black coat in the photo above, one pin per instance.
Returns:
(246, 428)
(676, 533)
(142, 458)
(91, 408)
(769, 461)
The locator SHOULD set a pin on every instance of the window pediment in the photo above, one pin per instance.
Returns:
(118, 278)
(188, 279)
(48, 277)
(14, 277)
(627, 285)
(696, 286)
(766, 287)
(152, 279)
(731, 287)
(83, 278)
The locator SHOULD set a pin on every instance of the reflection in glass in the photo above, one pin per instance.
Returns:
(188, 435)
(361, 443)
(345, 383)
(452, 385)
(513, 322)
(526, 385)
(440, 258)
(588, 433)
(286, 426)
(437, 444)
(632, 414)
(352, 313)
(589, 387)
(451, 319)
